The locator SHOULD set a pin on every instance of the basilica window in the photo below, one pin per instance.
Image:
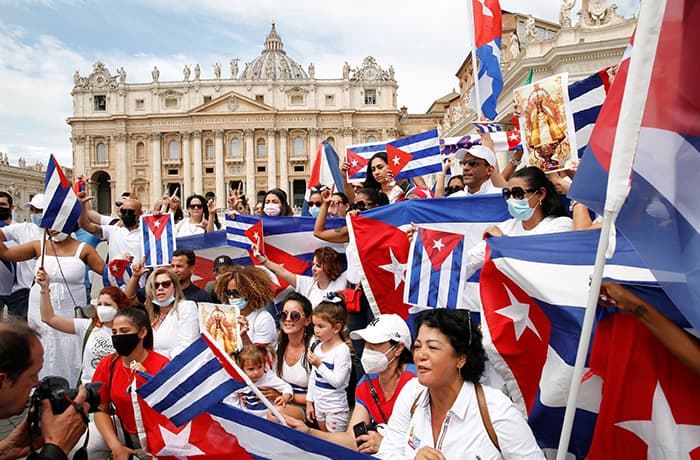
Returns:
(99, 103)
(100, 153)
(260, 98)
(209, 151)
(235, 151)
(207, 99)
(261, 148)
(370, 96)
(173, 150)
(330, 99)
(371, 139)
(296, 99)
(298, 147)
(140, 151)
(170, 102)
(139, 104)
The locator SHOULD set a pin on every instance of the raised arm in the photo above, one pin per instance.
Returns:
(440, 182)
(60, 323)
(347, 187)
(277, 269)
(336, 235)
(93, 260)
(85, 221)
(26, 251)
(138, 269)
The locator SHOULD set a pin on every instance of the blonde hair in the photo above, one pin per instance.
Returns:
(151, 308)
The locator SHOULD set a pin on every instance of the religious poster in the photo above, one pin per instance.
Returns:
(221, 322)
(546, 123)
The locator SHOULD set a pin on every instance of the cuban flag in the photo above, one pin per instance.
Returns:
(380, 238)
(116, 273)
(534, 292)
(503, 141)
(587, 97)
(650, 179)
(63, 208)
(325, 171)
(410, 156)
(243, 231)
(486, 19)
(194, 380)
(158, 239)
(487, 127)
(436, 269)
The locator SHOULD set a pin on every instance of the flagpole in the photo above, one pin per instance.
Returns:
(625, 144)
(43, 248)
(472, 44)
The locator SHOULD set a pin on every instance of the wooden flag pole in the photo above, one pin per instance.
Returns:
(43, 248)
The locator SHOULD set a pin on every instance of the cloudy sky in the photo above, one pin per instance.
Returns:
(43, 42)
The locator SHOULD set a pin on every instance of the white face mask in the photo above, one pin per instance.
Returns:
(106, 313)
(375, 362)
(59, 237)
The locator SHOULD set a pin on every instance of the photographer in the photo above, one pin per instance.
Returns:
(21, 358)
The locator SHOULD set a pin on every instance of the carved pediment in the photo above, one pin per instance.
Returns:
(233, 102)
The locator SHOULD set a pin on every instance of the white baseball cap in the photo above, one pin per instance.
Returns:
(383, 329)
(478, 151)
(36, 202)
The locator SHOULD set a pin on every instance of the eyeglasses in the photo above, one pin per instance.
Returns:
(471, 163)
(166, 284)
(516, 192)
(293, 316)
(195, 206)
(315, 203)
(232, 293)
(362, 205)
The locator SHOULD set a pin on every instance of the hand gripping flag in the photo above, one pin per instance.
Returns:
(63, 208)
(660, 215)
(487, 39)
(436, 269)
(158, 239)
(503, 141)
(116, 273)
(534, 292)
(487, 127)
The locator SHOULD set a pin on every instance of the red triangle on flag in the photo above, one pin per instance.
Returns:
(438, 245)
(255, 235)
(117, 267)
(398, 159)
(513, 138)
(356, 163)
(157, 224)
(287, 260)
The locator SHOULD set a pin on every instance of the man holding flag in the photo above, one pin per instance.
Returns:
(485, 18)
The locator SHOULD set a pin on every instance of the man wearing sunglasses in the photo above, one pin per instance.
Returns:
(478, 164)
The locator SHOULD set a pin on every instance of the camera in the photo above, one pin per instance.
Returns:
(60, 394)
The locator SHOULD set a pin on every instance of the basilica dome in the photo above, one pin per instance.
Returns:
(273, 63)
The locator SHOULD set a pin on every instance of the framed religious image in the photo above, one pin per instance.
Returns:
(546, 123)
(221, 323)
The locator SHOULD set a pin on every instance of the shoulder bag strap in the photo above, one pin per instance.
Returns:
(415, 403)
(373, 392)
(484, 410)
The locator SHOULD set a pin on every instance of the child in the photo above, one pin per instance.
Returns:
(252, 359)
(331, 361)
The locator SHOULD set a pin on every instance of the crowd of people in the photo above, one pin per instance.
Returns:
(345, 376)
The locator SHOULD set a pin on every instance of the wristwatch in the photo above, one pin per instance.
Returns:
(514, 162)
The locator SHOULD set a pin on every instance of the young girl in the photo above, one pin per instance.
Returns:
(326, 399)
(252, 359)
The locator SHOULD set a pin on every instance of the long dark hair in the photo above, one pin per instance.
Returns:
(286, 209)
(537, 179)
(370, 181)
(205, 208)
(308, 332)
(140, 319)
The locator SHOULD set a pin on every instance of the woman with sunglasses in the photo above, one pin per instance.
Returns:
(198, 220)
(249, 289)
(174, 319)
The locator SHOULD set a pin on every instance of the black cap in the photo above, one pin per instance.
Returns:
(222, 261)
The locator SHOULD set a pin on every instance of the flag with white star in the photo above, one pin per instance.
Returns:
(158, 239)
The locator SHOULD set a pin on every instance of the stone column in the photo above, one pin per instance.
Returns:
(219, 156)
(271, 159)
(313, 144)
(347, 141)
(249, 165)
(79, 155)
(156, 178)
(122, 163)
(284, 160)
(186, 165)
(197, 162)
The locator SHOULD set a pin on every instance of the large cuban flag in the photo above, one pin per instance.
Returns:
(63, 208)
(534, 292)
(587, 97)
(487, 39)
(661, 214)
(158, 239)
(325, 171)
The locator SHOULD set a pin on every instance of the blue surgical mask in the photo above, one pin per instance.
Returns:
(314, 211)
(238, 302)
(520, 209)
(36, 219)
(164, 303)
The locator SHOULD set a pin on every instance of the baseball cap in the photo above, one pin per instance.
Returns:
(478, 151)
(384, 328)
(37, 201)
(222, 261)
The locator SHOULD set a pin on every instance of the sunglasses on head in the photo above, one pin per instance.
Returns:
(471, 163)
(293, 316)
(118, 204)
(166, 284)
(233, 293)
(516, 192)
(196, 206)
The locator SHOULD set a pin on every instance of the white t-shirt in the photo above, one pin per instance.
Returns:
(98, 345)
(463, 434)
(20, 233)
(252, 402)
(179, 329)
(487, 188)
(261, 327)
(327, 382)
(122, 240)
(296, 375)
(309, 288)
(185, 228)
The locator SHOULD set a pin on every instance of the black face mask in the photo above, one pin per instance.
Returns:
(129, 218)
(124, 344)
(5, 213)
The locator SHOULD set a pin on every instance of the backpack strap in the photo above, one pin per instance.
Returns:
(85, 340)
(485, 418)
